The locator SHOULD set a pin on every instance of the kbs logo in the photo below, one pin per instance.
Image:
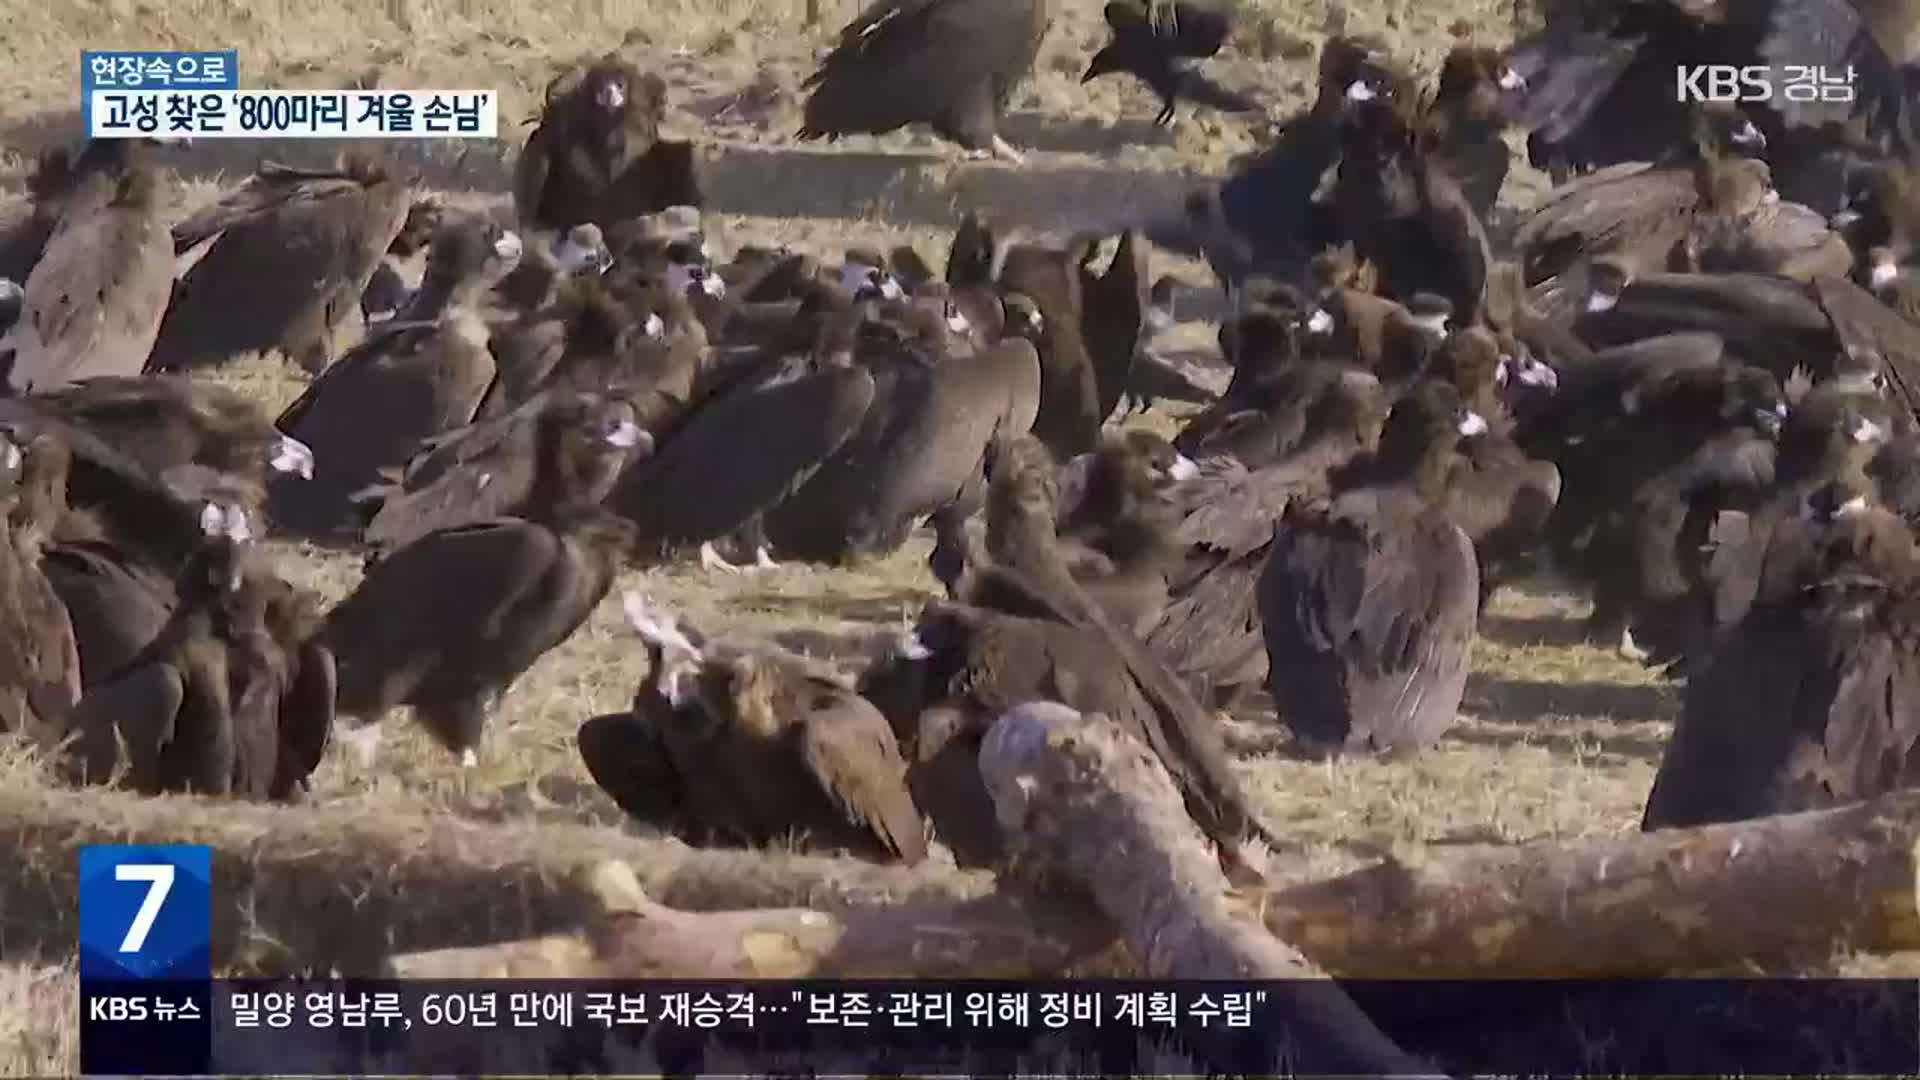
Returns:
(1724, 83)
(1757, 83)
(117, 1008)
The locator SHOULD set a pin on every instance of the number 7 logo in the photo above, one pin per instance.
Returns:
(159, 879)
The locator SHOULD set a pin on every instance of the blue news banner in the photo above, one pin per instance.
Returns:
(149, 1005)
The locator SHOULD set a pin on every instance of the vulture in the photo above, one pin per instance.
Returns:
(387, 290)
(111, 498)
(1368, 600)
(1466, 118)
(448, 622)
(214, 704)
(1498, 495)
(591, 330)
(597, 155)
(1117, 533)
(1026, 573)
(94, 302)
(1165, 58)
(548, 269)
(1829, 327)
(289, 255)
(487, 468)
(802, 410)
(950, 64)
(39, 662)
(1210, 630)
(164, 421)
(938, 407)
(1640, 213)
(1114, 319)
(753, 745)
(1602, 83)
(1257, 417)
(68, 183)
(1643, 481)
(1087, 328)
(1880, 207)
(1832, 439)
(1809, 698)
(1394, 202)
(1263, 219)
(418, 375)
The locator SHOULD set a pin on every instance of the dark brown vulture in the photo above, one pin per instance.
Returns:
(1166, 58)
(950, 64)
(706, 482)
(1026, 573)
(1368, 601)
(1646, 463)
(162, 421)
(292, 251)
(387, 290)
(1829, 327)
(94, 302)
(1395, 203)
(1498, 495)
(597, 155)
(1602, 78)
(1210, 629)
(448, 622)
(1810, 698)
(224, 700)
(938, 406)
(487, 469)
(421, 374)
(1263, 218)
(1466, 118)
(1881, 208)
(68, 183)
(944, 684)
(757, 745)
(1069, 417)
(1117, 531)
(39, 663)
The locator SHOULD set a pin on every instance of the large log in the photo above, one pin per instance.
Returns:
(300, 888)
(1775, 889)
(1086, 806)
(630, 936)
(303, 888)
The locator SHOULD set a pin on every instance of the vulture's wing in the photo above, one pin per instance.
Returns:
(741, 454)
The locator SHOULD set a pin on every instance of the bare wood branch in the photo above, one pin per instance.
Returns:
(1777, 888)
(1087, 806)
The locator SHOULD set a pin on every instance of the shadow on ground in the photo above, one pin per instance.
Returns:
(1597, 749)
(876, 610)
(1528, 701)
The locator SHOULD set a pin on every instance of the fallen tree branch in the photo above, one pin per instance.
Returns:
(1679, 900)
(1087, 805)
(313, 888)
(631, 936)
(306, 888)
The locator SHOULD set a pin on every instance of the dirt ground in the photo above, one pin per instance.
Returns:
(1558, 740)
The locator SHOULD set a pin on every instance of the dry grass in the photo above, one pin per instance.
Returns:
(1558, 740)
(39, 1020)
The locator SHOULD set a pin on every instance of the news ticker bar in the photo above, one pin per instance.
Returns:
(293, 114)
(1801, 1027)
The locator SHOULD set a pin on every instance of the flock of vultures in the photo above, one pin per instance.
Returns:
(1686, 381)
